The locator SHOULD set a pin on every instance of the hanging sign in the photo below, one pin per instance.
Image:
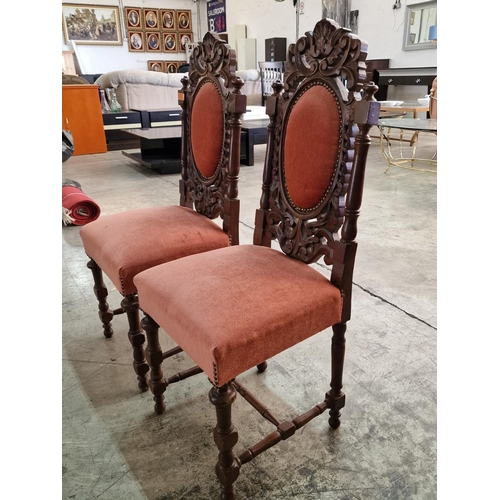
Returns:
(216, 16)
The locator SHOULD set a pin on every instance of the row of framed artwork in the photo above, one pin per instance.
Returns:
(165, 66)
(88, 24)
(156, 41)
(142, 18)
(158, 30)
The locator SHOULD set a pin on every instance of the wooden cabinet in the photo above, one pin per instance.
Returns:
(81, 114)
(276, 49)
(372, 75)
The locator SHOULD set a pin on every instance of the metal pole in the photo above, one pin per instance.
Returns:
(297, 17)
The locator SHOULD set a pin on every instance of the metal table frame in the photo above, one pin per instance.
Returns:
(401, 159)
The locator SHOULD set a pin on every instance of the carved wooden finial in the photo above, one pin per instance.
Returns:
(277, 86)
(368, 109)
(185, 82)
(237, 84)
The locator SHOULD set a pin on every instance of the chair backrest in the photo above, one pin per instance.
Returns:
(270, 72)
(318, 140)
(212, 108)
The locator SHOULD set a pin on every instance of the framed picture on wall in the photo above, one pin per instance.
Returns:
(168, 19)
(136, 41)
(153, 41)
(91, 24)
(184, 38)
(171, 66)
(184, 20)
(155, 66)
(151, 19)
(133, 18)
(169, 42)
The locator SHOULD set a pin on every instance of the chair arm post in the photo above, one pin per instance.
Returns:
(182, 94)
(271, 111)
(237, 105)
(366, 115)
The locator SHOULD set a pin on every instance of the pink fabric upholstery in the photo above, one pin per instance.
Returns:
(233, 308)
(207, 129)
(311, 147)
(127, 243)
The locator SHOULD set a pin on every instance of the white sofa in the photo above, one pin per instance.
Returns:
(141, 89)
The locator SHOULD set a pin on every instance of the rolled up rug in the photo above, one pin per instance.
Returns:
(78, 208)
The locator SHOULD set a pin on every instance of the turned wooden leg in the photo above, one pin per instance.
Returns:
(261, 367)
(225, 436)
(101, 292)
(154, 356)
(335, 397)
(130, 305)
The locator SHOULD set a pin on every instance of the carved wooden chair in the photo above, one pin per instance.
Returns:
(270, 72)
(124, 244)
(236, 307)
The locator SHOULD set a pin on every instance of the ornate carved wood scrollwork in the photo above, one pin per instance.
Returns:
(212, 62)
(331, 57)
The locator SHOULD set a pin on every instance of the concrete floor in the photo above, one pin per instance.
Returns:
(115, 447)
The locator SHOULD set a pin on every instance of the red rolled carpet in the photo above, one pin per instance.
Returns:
(78, 207)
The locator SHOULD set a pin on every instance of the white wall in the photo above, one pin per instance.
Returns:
(383, 28)
(378, 24)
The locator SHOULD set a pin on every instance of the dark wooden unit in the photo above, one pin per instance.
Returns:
(404, 76)
(372, 75)
(275, 49)
(159, 117)
(115, 125)
(252, 132)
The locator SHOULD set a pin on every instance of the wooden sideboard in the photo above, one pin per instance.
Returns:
(378, 71)
(373, 66)
(406, 76)
(81, 114)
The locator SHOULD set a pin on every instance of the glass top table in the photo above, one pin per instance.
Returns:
(406, 154)
(422, 125)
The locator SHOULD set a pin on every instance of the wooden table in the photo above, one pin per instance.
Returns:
(407, 108)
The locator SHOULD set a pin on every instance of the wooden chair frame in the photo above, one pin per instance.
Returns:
(332, 57)
(212, 60)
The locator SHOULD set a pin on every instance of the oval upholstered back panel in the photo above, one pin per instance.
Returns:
(207, 129)
(311, 147)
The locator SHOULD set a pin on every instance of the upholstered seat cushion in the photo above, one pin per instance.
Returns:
(127, 243)
(233, 308)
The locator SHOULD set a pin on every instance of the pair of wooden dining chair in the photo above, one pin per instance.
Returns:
(231, 306)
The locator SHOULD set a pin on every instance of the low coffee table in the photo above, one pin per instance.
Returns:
(160, 148)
